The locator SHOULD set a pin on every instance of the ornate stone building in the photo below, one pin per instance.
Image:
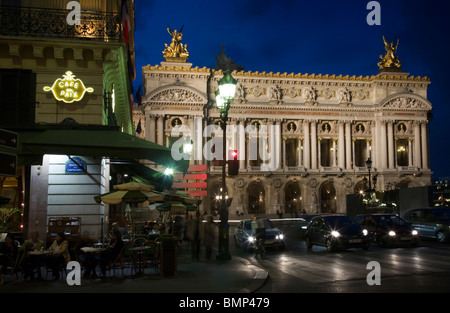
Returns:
(326, 127)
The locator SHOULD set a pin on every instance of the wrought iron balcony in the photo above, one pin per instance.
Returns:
(52, 23)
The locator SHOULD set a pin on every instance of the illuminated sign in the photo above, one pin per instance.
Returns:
(68, 88)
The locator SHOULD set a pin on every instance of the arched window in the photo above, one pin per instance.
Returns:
(256, 199)
(327, 198)
(292, 198)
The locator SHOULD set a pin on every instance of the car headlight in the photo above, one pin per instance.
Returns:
(304, 227)
(279, 237)
(251, 239)
(365, 232)
(414, 232)
(391, 233)
(335, 234)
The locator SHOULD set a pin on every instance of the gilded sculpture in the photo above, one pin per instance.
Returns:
(390, 61)
(176, 51)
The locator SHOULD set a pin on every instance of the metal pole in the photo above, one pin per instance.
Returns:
(224, 252)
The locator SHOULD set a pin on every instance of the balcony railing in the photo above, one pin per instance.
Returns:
(52, 23)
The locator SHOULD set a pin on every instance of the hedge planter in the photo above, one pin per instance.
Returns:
(168, 255)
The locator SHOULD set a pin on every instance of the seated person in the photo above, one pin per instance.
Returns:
(9, 252)
(112, 252)
(28, 263)
(60, 254)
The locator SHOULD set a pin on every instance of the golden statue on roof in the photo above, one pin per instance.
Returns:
(176, 51)
(390, 61)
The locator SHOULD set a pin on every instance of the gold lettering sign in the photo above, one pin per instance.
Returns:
(68, 88)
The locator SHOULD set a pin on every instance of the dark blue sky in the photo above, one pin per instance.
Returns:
(295, 36)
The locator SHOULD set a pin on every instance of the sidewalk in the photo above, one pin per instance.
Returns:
(235, 276)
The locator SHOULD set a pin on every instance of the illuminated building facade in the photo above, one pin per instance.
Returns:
(321, 131)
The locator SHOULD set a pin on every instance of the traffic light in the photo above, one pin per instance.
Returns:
(233, 163)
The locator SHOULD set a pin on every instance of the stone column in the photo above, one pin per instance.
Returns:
(424, 130)
(319, 152)
(284, 153)
(410, 154)
(150, 127)
(277, 133)
(306, 145)
(383, 144)
(314, 144)
(299, 152)
(198, 141)
(391, 148)
(160, 129)
(348, 145)
(334, 152)
(341, 145)
(368, 150)
(417, 157)
(353, 150)
(241, 143)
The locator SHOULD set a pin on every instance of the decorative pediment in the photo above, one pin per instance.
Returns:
(407, 102)
(175, 94)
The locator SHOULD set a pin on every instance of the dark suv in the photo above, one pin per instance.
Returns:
(431, 222)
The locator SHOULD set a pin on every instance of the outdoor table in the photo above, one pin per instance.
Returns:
(39, 259)
(140, 251)
(38, 252)
(92, 249)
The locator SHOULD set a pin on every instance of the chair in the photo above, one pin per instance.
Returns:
(118, 261)
(61, 268)
(126, 256)
(152, 254)
(139, 241)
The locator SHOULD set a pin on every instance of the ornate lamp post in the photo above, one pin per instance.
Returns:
(224, 96)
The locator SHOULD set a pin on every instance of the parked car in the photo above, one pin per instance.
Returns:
(244, 234)
(304, 221)
(336, 231)
(388, 229)
(431, 222)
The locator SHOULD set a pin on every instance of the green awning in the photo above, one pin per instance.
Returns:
(142, 173)
(98, 141)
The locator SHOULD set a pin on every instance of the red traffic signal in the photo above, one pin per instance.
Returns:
(233, 163)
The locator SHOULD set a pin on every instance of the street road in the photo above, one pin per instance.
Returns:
(425, 268)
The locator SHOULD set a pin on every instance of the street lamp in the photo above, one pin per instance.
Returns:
(224, 96)
(369, 167)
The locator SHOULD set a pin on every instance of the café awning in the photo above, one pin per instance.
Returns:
(96, 140)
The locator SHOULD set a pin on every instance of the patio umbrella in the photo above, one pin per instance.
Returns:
(128, 196)
(180, 196)
(134, 186)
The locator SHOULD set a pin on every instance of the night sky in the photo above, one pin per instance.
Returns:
(321, 37)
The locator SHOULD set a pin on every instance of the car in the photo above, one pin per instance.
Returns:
(244, 236)
(388, 229)
(431, 222)
(336, 232)
(304, 221)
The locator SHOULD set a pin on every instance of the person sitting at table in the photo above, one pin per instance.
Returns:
(60, 254)
(9, 251)
(112, 251)
(28, 263)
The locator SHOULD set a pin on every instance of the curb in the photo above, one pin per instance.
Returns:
(259, 278)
